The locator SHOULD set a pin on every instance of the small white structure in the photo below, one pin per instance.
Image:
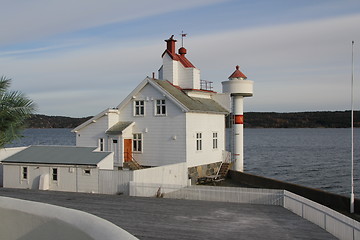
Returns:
(61, 168)
(238, 87)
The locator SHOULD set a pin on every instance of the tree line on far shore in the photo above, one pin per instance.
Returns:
(322, 119)
(328, 119)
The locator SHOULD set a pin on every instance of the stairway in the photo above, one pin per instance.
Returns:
(223, 170)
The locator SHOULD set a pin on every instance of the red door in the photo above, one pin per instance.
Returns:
(127, 150)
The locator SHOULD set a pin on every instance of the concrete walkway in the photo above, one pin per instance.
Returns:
(154, 218)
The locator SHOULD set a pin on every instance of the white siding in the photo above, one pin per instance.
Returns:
(69, 178)
(88, 183)
(170, 70)
(189, 77)
(159, 146)
(107, 162)
(89, 136)
(1, 175)
(205, 124)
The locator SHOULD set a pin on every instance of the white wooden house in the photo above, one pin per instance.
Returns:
(173, 119)
(61, 168)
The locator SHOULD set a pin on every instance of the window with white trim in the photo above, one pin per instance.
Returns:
(87, 172)
(137, 142)
(160, 109)
(54, 174)
(198, 141)
(215, 140)
(139, 108)
(101, 144)
(24, 173)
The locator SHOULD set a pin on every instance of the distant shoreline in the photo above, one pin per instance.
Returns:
(319, 119)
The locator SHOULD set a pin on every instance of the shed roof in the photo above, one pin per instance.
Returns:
(118, 128)
(192, 103)
(62, 155)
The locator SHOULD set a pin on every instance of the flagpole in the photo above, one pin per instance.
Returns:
(352, 197)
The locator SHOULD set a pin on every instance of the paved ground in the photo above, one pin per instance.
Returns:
(154, 218)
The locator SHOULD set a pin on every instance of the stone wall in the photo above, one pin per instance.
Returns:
(202, 171)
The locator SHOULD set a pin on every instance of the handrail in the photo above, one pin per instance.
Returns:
(130, 156)
(226, 156)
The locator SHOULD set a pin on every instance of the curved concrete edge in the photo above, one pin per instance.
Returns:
(91, 225)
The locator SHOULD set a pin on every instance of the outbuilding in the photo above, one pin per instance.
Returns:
(61, 168)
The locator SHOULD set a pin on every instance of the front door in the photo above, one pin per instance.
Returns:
(127, 150)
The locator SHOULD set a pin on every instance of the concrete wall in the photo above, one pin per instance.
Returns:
(22, 219)
(206, 124)
(70, 178)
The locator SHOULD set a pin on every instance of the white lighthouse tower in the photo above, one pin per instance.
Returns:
(238, 87)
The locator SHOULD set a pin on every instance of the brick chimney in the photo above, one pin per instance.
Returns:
(171, 44)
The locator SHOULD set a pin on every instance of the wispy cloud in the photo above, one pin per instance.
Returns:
(296, 66)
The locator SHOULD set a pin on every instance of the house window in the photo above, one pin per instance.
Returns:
(139, 108)
(54, 174)
(24, 173)
(160, 107)
(101, 144)
(87, 172)
(137, 142)
(198, 141)
(215, 140)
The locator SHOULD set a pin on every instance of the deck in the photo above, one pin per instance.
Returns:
(157, 218)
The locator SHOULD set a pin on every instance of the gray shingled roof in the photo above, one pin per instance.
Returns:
(62, 155)
(192, 103)
(118, 128)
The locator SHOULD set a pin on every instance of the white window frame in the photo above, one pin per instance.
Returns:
(27, 173)
(198, 136)
(138, 107)
(138, 143)
(87, 173)
(160, 107)
(57, 174)
(215, 140)
(101, 144)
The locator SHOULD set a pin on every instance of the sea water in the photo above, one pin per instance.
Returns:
(314, 157)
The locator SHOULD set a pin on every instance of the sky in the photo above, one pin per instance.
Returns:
(78, 58)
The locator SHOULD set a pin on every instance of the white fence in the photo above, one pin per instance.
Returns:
(159, 180)
(114, 182)
(142, 189)
(335, 223)
(144, 182)
(230, 194)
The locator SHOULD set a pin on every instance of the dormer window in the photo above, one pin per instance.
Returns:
(160, 108)
(139, 108)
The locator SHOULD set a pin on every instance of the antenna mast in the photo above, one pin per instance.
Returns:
(352, 197)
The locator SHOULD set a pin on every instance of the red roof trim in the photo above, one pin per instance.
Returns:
(237, 74)
(176, 57)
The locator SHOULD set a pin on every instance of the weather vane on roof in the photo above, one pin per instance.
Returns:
(182, 38)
